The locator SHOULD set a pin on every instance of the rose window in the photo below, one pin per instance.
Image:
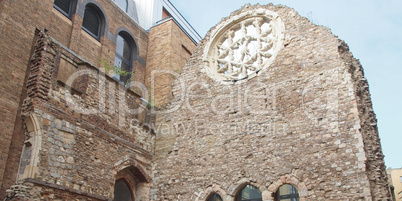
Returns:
(240, 50)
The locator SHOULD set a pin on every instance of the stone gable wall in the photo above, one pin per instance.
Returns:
(297, 122)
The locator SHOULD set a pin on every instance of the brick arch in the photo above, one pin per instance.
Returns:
(129, 34)
(214, 188)
(286, 179)
(126, 32)
(81, 11)
(130, 164)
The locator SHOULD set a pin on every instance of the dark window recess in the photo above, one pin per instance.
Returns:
(92, 22)
(287, 192)
(122, 191)
(123, 60)
(214, 197)
(64, 6)
(249, 193)
(186, 50)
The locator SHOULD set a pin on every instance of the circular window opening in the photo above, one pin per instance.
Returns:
(243, 47)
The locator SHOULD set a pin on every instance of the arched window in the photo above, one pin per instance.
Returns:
(249, 193)
(92, 22)
(124, 58)
(64, 6)
(122, 4)
(122, 191)
(287, 192)
(214, 197)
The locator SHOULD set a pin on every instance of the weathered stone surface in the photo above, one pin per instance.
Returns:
(302, 121)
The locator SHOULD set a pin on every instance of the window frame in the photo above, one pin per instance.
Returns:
(280, 197)
(239, 194)
(69, 14)
(98, 14)
(215, 196)
(127, 38)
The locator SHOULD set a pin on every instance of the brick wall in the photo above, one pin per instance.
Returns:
(18, 21)
(83, 133)
(166, 58)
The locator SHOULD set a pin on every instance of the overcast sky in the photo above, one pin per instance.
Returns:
(371, 28)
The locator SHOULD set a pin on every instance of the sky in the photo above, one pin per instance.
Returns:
(371, 28)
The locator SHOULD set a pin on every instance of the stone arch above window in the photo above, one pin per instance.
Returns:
(249, 193)
(213, 189)
(130, 164)
(288, 181)
(134, 176)
(29, 160)
(93, 21)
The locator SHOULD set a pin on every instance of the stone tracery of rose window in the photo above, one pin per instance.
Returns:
(244, 48)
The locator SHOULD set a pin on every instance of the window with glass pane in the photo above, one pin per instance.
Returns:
(64, 6)
(122, 4)
(92, 22)
(214, 197)
(123, 60)
(249, 193)
(287, 192)
(122, 191)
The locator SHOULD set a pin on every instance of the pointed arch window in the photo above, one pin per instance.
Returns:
(122, 4)
(64, 6)
(122, 191)
(249, 193)
(215, 197)
(287, 192)
(124, 58)
(93, 21)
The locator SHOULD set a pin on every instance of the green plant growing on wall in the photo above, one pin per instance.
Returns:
(106, 64)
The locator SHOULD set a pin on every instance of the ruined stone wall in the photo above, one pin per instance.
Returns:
(83, 130)
(18, 21)
(368, 126)
(299, 121)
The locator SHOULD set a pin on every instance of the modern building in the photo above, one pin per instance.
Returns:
(395, 179)
(123, 100)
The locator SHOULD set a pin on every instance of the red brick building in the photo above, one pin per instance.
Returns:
(44, 43)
